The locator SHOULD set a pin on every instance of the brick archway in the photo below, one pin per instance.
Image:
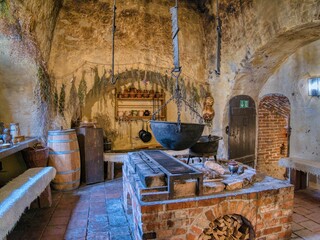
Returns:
(273, 134)
(247, 209)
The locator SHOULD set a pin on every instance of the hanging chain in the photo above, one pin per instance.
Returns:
(162, 107)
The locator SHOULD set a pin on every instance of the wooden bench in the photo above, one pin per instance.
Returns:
(299, 169)
(19, 193)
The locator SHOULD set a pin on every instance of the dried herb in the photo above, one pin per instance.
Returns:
(73, 103)
(82, 90)
(62, 99)
(55, 99)
(96, 83)
(44, 84)
(103, 120)
(5, 11)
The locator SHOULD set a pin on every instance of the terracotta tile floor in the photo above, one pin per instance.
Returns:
(95, 212)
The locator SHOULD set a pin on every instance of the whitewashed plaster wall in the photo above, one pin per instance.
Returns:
(17, 82)
(291, 80)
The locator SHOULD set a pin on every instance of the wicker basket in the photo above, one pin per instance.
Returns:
(36, 157)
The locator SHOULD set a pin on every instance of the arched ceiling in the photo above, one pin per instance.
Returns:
(268, 58)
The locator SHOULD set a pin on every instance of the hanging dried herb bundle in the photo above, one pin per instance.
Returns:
(104, 85)
(82, 90)
(73, 103)
(62, 99)
(5, 10)
(44, 84)
(103, 120)
(55, 100)
(96, 83)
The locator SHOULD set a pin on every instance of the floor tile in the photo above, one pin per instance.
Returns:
(54, 221)
(298, 218)
(76, 233)
(311, 225)
(54, 231)
(96, 212)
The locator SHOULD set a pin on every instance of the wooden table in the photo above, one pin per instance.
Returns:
(28, 142)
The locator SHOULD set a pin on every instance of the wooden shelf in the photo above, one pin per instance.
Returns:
(133, 118)
(140, 99)
(127, 104)
(29, 142)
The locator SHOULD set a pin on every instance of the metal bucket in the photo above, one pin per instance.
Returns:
(167, 134)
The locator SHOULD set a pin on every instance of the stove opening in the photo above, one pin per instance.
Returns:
(228, 227)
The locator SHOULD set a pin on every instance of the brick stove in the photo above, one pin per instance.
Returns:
(173, 203)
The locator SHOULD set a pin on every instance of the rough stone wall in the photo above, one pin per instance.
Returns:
(291, 80)
(143, 35)
(25, 44)
(257, 36)
(83, 41)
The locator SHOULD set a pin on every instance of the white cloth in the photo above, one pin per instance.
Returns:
(19, 193)
(300, 164)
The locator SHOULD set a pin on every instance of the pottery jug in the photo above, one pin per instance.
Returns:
(14, 130)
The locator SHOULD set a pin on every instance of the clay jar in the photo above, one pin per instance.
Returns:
(125, 93)
(145, 94)
(157, 95)
(132, 92)
(151, 93)
(139, 93)
(141, 112)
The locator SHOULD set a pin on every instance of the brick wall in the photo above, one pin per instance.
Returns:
(273, 115)
(268, 211)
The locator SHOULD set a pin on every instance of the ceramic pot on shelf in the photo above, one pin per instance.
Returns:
(139, 93)
(141, 112)
(14, 130)
(132, 91)
(145, 93)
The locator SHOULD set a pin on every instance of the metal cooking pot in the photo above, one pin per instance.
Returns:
(145, 135)
(146, 113)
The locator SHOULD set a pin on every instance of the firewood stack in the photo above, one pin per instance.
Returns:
(228, 227)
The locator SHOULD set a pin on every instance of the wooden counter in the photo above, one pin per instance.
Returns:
(29, 142)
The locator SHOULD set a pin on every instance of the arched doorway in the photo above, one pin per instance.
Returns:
(242, 129)
(273, 134)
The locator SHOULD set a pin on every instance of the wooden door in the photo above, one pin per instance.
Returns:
(242, 129)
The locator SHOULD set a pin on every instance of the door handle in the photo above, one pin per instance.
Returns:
(227, 129)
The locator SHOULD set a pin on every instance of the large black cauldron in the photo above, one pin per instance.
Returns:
(169, 136)
(205, 146)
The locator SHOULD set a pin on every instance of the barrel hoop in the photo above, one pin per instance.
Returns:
(63, 152)
(62, 141)
(70, 171)
(66, 183)
(63, 132)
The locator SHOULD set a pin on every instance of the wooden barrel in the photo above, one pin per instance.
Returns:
(64, 156)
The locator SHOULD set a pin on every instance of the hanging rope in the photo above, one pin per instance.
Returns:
(113, 79)
(218, 41)
(176, 71)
